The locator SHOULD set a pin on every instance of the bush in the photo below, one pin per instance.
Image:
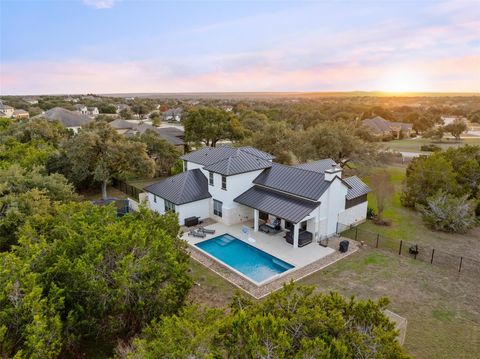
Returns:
(430, 148)
(371, 213)
(447, 213)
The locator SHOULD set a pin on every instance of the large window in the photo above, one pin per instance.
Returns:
(154, 198)
(185, 165)
(217, 208)
(210, 178)
(169, 206)
(224, 182)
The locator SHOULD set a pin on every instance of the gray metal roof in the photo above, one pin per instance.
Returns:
(122, 124)
(240, 162)
(171, 131)
(210, 155)
(318, 166)
(291, 208)
(186, 187)
(66, 118)
(293, 180)
(358, 188)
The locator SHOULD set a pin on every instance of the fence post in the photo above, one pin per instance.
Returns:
(356, 233)
(460, 266)
(433, 251)
(376, 244)
(400, 249)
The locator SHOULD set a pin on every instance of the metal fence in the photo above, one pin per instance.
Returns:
(410, 249)
(129, 190)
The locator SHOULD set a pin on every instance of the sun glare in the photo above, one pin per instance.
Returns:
(403, 81)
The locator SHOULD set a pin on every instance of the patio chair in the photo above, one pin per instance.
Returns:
(197, 233)
(206, 230)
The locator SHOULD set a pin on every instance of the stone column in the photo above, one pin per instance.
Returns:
(256, 216)
(296, 228)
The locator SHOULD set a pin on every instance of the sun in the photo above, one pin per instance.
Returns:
(403, 80)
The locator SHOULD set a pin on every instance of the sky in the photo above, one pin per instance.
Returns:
(127, 46)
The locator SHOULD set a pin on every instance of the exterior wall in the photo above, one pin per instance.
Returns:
(332, 203)
(354, 215)
(192, 209)
(192, 166)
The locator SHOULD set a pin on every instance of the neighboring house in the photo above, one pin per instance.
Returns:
(7, 111)
(31, 100)
(234, 185)
(69, 119)
(121, 107)
(380, 127)
(81, 109)
(130, 128)
(447, 120)
(20, 114)
(71, 99)
(93, 111)
(174, 114)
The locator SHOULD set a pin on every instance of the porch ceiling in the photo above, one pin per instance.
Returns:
(288, 207)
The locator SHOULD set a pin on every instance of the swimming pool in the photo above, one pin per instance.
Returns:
(248, 260)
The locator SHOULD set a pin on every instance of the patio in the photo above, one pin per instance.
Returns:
(307, 260)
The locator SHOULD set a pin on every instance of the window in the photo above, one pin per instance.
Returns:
(185, 165)
(169, 206)
(217, 208)
(154, 198)
(224, 182)
(210, 178)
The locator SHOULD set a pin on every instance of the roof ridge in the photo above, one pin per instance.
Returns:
(298, 168)
(187, 173)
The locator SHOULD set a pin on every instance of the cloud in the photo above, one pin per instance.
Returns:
(100, 4)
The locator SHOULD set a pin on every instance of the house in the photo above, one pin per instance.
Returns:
(380, 127)
(235, 185)
(121, 107)
(69, 119)
(174, 114)
(71, 99)
(93, 111)
(130, 128)
(6, 111)
(81, 109)
(31, 100)
(20, 114)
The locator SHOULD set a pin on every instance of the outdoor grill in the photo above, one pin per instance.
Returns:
(343, 247)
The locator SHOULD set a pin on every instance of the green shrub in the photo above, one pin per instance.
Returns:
(430, 148)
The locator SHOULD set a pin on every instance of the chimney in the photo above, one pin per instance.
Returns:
(331, 173)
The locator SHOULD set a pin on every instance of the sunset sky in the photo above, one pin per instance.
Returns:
(107, 46)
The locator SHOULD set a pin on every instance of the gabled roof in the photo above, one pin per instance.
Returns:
(66, 118)
(282, 205)
(293, 180)
(240, 162)
(209, 155)
(186, 187)
(134, 128)
(122, 124)
(318, 166)
(379, 124)
(171, 131)
(357, 187)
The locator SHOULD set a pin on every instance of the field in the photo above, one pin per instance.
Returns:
(441, 306)
(414, 144)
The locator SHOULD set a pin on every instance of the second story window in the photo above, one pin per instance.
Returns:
(154, 198)
(224, 182)
(210, 178)
(185, 165)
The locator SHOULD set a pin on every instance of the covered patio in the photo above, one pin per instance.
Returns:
(280, 211)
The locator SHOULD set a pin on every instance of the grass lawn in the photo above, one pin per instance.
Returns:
(142, 183)
(414, 144)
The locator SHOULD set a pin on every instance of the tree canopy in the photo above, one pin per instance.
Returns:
(82, 274)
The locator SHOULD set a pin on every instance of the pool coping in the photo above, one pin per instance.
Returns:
(276, 282)
(258, 284)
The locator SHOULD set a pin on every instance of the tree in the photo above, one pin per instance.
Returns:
(435, 133)
(210, 125)
(83, 275)
(474, 116)
(383, 189)
(447, 213)
(100, 152)
(292, 323)
(163, 153)
(126, 114)
(107, 108)
(156, 118)
(456, 128)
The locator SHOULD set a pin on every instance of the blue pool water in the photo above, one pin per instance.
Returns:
(254, 263)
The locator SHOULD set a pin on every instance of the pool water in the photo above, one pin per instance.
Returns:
(248, 260)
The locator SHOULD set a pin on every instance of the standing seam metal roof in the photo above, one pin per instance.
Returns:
(210, 155)
(186, 187)
(239, 163)
(358, 188)
(282, 205)
(296, 181)
(318, 166)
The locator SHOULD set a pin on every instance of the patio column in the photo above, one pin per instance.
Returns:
(295, 235)
(317, 229)
(256, 216)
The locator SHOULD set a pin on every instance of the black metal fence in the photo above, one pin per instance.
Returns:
(415, 251)
(128, 189)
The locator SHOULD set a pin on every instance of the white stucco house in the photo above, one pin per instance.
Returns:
(236, 185)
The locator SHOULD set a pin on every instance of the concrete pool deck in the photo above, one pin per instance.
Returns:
(307, 259)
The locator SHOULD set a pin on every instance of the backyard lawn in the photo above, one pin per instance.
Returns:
(414, 144)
